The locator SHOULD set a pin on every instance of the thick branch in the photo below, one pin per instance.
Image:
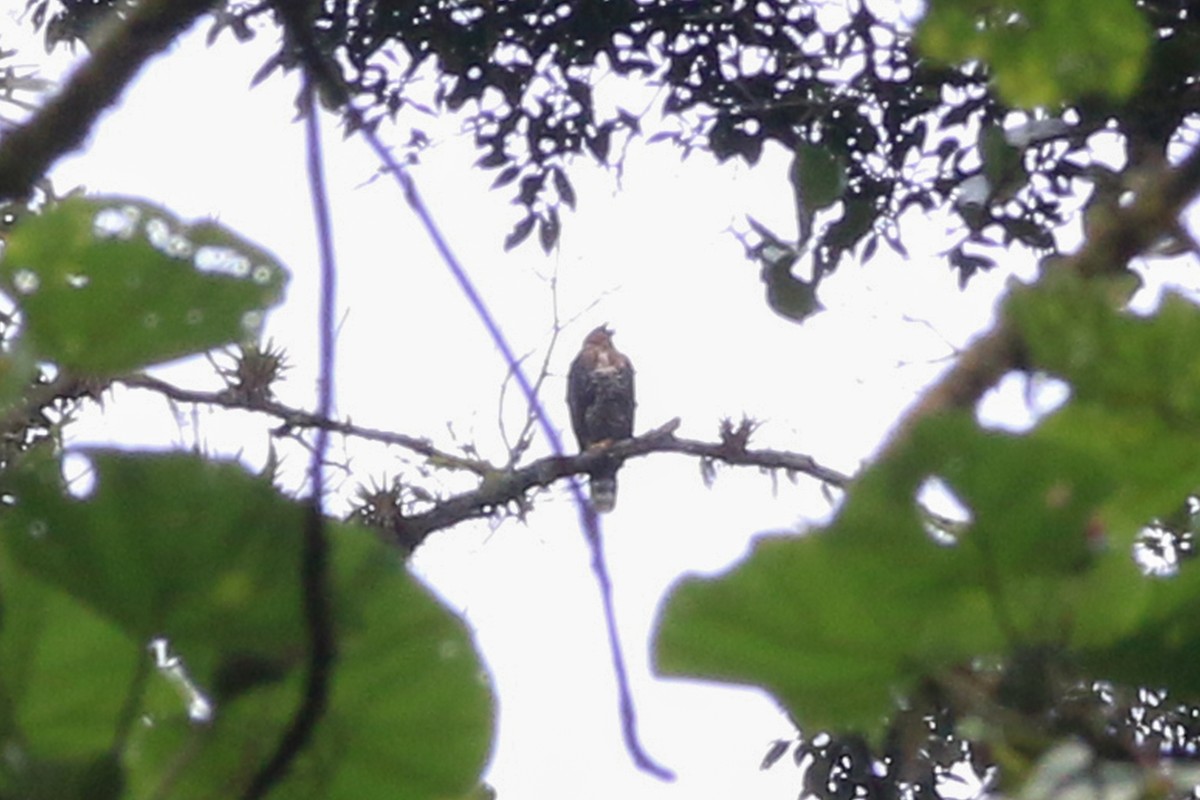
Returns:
(1113, 241)
(28, 152)
(504, 487)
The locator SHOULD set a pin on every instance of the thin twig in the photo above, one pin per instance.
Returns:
(525, 438)
(296, 418)
(513, 455)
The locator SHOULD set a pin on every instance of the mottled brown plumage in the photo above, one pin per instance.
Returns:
(600, 397)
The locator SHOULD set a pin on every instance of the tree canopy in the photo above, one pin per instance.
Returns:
(878, 125)
(1044, 637)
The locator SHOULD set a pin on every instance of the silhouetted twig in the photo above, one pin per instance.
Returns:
(292, 418)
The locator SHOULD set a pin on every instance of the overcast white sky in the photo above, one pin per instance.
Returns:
(654, 257)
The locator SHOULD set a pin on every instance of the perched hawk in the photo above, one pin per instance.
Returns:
(600, 396)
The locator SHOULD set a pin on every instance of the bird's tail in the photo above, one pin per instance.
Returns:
(604, 492)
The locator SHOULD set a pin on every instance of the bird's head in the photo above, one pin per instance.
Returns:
(600, 337)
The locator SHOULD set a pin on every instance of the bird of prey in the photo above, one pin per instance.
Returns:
(600, 397)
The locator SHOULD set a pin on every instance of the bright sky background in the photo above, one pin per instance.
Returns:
(650, 255)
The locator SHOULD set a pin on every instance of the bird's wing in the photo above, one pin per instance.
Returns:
(581, 393)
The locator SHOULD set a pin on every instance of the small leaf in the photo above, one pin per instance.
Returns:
(493, 159)
(968, 264)
(530, 186)
(269, 66)
(520, 232)
(549, 230)
(818, 177)
(600, 142)
(777, 751)
(869, 249)
(1003, 164)
(506, 176)
(562, 185)
(629, 120)
(892, 237)
(790, 297)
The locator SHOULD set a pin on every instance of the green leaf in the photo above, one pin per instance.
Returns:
(816, 620)
(112, 284)
(1043, 53)
(95, 777)
(1134, 382)
(1125, 362)
(1135, 385)
(65, 671)
(834, 628)
(208, 557)
(407, 667)
(168, 544)
(818, 176)
(1002, 163)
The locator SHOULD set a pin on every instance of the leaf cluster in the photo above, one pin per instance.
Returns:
(927, 120)
(154, 640)
(929, 123)
(1037, 591)
(1006, 620)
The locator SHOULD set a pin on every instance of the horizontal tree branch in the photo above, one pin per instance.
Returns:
(500, 487)
(508, 486)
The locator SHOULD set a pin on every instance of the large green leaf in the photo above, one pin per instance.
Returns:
(837, 622)
(112, 284)
(65, 671)
(169, 544)
(1043, 53)
(1136, 404)
(406, 668)
(410, 714)
(208, 557)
